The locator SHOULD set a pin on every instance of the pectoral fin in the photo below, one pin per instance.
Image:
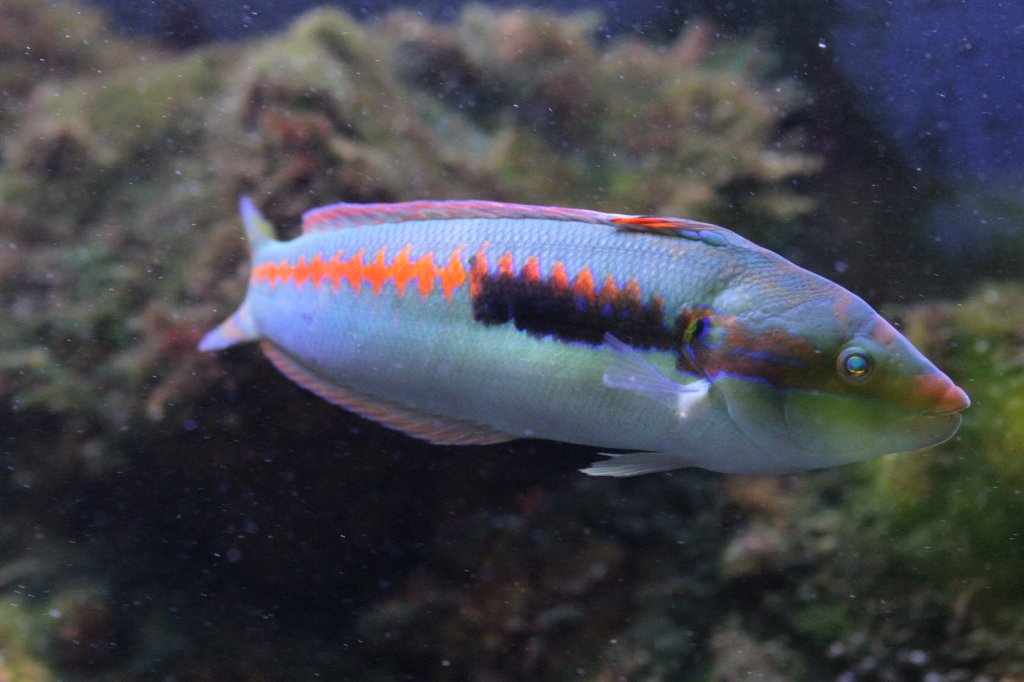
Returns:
(635, 464)
(628, 370)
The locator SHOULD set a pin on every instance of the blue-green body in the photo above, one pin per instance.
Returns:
(678, 340)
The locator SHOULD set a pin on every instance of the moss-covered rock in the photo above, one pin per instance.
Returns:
(961, 508)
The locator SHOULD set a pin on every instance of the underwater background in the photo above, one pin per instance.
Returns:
(167, 515)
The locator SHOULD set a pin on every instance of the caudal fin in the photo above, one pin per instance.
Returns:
(241, 327)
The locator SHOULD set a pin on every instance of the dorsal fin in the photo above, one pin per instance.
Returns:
(694, 230)
(342, 216)
(654, 222)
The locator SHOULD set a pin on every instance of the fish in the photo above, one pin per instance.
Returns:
(663, 342)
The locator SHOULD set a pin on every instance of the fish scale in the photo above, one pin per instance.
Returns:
(404, 346)
(476, 322)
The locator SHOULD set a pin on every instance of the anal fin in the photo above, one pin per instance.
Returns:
(635, 464)
(423, 425)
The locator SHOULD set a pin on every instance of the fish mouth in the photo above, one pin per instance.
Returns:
(850, 429)
(953, 401)
(937, 395)
(950, 420)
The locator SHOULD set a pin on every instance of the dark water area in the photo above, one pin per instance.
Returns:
(919, 95)
(174, 515)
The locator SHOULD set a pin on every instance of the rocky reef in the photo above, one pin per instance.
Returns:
(168, 515)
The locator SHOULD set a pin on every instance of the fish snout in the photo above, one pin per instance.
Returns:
(954, 400)
(937, 394)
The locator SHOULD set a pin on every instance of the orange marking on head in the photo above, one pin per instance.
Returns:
(426, 272)
(402, 270)
(558, 277)
(584, 284)
(840, 308)
(531, 270)
(505, 265)
(883, 332)
(453, 275)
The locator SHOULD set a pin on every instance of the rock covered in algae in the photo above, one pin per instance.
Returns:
(628, 126)
(560, 586)
(53, 43)
(966, 501)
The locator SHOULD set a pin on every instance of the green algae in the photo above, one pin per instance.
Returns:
(961, 508)
(52, 43)
(19, 660)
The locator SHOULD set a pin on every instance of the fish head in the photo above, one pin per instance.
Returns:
(884, 396)
(825, 380)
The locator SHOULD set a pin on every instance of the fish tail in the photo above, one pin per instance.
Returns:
(241, 327)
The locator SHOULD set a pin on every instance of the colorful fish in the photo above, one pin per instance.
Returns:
(679, 342)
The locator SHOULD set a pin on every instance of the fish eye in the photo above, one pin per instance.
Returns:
(854, 365)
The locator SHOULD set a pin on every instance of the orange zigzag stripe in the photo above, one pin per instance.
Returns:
(401, 271)
(582, 285)
(354, 271)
